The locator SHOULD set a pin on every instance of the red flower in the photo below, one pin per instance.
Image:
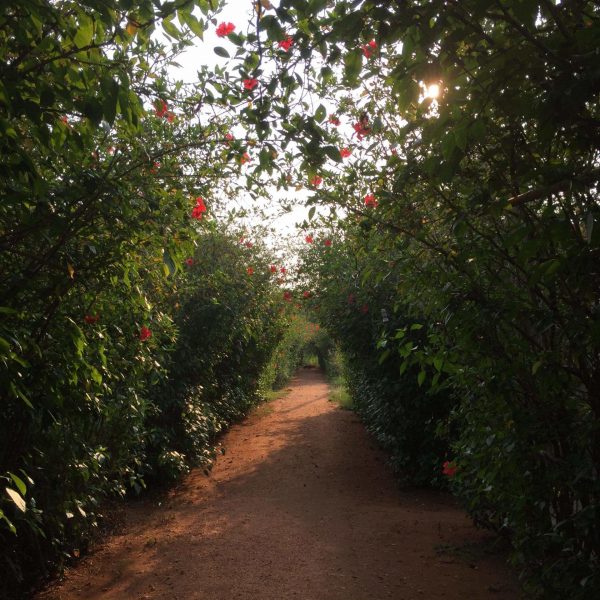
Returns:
(283, 270)
(91, 319)
(308, 239)
(370, 201)
(189, 261)
(306, 294)
(249, 244)
(161, 109)
(244, 158)
(250, 84)
(229, 137)
(287, 296)
(170, 117)
(316, 181)
(145, 334)
(273, 269)
(367, 49)
(449, 469)
(225, 29)
(364, 309)
(334, 120)
(327, 243)
(345, 152)
(250, 271)
(199, 209)
(361, 128)
(155, 167)
(286, 44)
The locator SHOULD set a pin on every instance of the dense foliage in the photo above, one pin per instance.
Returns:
(407, 418)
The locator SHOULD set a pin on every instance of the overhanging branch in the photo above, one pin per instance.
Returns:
(560, 186)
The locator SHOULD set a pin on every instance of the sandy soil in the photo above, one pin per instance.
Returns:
(302, 506)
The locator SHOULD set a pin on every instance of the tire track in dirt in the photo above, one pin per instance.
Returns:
(300, 506)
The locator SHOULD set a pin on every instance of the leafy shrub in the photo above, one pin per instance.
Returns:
(402, 415)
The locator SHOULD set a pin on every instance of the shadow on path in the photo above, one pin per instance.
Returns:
(300, 506)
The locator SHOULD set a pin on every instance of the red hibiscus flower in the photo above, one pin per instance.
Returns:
(370, 201)
(316, 181)
(224, 29)
(189, 261)
(155, 167)
(286, 44)
(161, 109)
(229, 138)
(170, 117)
(283, 270)
(345, 152)
(244, 158)
(361, 129)
(250, 84)
(327, 243)
(249, 244)
(306, 294)
(145, 334)
(91, 319)
(334, 120)
(287, 296)
(198, 210)
(449, 469)
(273, 269)
(367, 49)
(250, 271)
(309, 239)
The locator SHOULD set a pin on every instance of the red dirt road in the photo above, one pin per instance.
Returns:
(301, 506)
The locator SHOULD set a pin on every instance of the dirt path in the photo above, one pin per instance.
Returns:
(300, 506)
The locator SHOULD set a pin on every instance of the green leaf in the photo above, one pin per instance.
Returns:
(17, 499)
(18, 393)
(333, 153)
(320, 114)
(169, 263)
(85, 31)
(352, 67)
(170, 28)
(421, 378)
(220, 51)
(383, 356)
(19, 483)
(311, 213)
(96, 375)
(8, 522)
(110, 101)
